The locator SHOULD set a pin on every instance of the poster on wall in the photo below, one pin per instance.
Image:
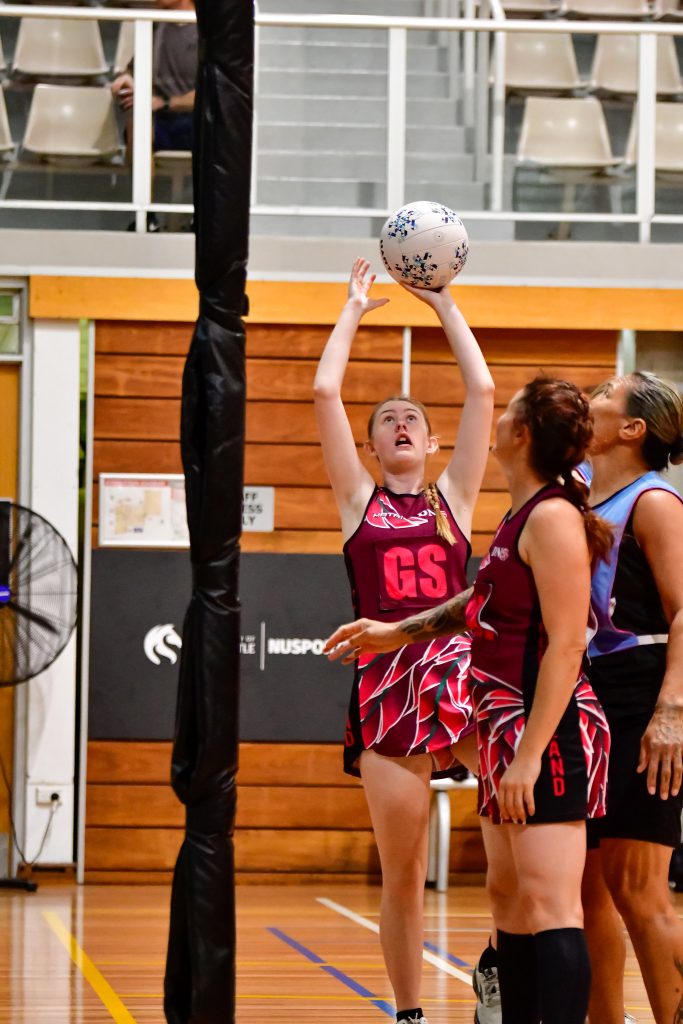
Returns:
(148, 510)
(290, 603)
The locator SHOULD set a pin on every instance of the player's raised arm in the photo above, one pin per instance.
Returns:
(351, 483)
(462, 479)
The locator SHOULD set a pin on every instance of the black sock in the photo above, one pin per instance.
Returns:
(564, 975)
(517, 979)
(488, 959)
(407, 1015)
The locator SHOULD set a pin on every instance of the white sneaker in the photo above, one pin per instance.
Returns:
(487, 991)
(414, 1020)
(628, 1019)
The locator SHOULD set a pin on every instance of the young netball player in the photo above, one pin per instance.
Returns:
(406, 544)
(636, 669)
(543, 738)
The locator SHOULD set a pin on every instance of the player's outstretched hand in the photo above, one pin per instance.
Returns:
(364, 636)
(360, 284)
(440, 299)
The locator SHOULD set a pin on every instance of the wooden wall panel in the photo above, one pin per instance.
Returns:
(536, 307)
(318, 807)
(137, 411)
(298, 815)
(268, 380)
(142, 762)
(278, 464)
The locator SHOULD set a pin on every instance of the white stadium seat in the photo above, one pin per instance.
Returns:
(541, 61)
(615, 66)
(74, 125)
(49, 47)
(565, 133)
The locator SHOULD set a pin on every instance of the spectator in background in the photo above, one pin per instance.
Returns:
(174, 71)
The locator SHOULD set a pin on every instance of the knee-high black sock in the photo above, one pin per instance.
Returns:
(564, 975)
(517, 978)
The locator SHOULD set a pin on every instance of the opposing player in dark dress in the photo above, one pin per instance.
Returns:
(406, 549)
(543, 738)
(636, 669)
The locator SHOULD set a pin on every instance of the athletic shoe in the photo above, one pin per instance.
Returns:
(628, 1019)
(413, 1020)
(485, 985)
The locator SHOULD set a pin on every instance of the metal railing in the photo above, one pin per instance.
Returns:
(473, 62)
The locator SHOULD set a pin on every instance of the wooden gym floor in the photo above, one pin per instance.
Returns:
(95, 954)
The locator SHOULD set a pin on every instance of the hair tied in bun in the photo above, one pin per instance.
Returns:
(676, 453)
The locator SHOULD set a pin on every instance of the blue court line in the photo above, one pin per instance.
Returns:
(339, 975)
(446, 955)
(296, 945)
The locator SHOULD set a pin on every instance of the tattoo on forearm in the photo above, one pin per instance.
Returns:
(444, 620)
(678, 1015)
(667, 721)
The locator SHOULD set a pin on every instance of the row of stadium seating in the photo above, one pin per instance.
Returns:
(547, 62)
(573, 133)
(601, 9)
(77, 125)
(52, 48)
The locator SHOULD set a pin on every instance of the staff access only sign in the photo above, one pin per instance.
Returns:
(148, 510)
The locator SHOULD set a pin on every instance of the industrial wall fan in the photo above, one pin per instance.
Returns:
(38, 608)
(38, 594)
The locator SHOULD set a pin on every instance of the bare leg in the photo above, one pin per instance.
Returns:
(606, 945)
(549, 861)
(636, 874)
(467, 751)
(534, 883)
(397, 791)
(501, 879)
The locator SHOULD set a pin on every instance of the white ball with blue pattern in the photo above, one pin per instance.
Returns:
(424, 244)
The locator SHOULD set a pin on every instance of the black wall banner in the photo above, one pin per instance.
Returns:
(290, 603)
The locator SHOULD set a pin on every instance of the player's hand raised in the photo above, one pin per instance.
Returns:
(360, 284)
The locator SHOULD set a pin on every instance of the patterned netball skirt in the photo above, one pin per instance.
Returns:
(572, 783)
(415, 700)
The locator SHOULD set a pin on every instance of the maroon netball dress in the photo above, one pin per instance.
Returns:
(508, 643)
(414, 700)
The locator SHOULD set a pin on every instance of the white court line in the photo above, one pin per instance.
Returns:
(431, 958)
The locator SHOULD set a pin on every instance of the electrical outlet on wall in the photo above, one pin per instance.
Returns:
(48, 795)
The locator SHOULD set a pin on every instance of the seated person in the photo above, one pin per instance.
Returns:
(174, 71)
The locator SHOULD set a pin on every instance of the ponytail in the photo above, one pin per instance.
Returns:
(599, 532)
(443, 527)
(560, 425)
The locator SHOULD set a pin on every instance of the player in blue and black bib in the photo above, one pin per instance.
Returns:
(636, 670)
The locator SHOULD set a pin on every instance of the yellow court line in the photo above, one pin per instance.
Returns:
(103, 989)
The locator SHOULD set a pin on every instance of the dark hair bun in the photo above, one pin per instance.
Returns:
(676, 451)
